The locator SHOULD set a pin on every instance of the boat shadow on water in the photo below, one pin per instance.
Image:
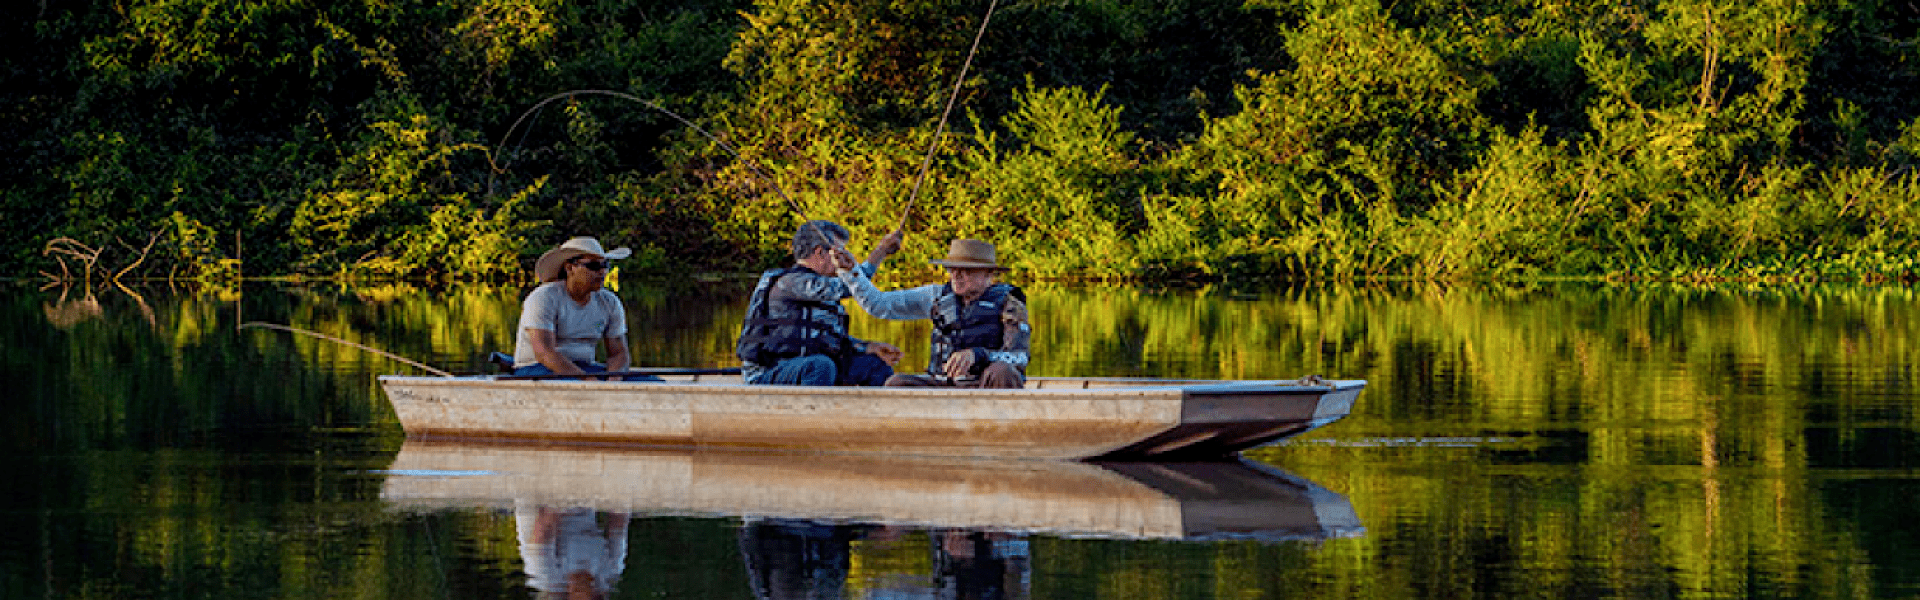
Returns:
(803, 514)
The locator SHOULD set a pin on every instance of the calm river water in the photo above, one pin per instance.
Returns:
(1564, 440)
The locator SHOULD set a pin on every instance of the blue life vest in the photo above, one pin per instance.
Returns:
(976, 325)
(766, 341)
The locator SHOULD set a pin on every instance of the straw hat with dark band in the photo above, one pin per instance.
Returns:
(970, 254)
(548, 267)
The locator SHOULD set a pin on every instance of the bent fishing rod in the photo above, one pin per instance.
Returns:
(952, 98)
(749, 164)
(792, 204)
(497, 168)
(926, 164)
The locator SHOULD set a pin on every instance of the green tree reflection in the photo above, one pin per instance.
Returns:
(1544, 440)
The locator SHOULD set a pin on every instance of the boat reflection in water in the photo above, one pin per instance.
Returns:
(805, 514)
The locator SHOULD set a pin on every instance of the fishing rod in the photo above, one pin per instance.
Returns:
(336, 340)
(913, 196)
(750, 165)
(792, 204)
(499, 168)
(952, 99)
(800, 211)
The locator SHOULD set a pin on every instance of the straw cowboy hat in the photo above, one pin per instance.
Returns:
(548, 267)
(970, 254)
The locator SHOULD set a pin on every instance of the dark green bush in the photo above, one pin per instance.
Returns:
(1210, 138)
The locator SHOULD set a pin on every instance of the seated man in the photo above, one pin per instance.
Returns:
(795, 332)
(564, 319)
(980, 331)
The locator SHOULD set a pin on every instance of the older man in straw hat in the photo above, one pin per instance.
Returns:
(564, 319)
(980, 333)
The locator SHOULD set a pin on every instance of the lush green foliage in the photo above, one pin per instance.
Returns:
(1309, 138)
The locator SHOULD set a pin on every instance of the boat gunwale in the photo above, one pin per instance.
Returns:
(1201, 411)
(1109, 386)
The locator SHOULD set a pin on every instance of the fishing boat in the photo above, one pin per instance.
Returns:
(1134, 500)
(1052, 418)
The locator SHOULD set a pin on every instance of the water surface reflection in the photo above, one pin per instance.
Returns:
(1531, 440)
(1179, 501)
(807, 520)
(571, 552)
(799, 559)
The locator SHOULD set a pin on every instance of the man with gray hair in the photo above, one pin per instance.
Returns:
(795, 332)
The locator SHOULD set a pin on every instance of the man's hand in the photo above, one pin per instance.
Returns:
(885, 248)
(887, 352)
(546, 350)
(842, 260)
(959, 364)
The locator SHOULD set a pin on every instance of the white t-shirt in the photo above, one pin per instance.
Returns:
(578, 542)
(577, 329)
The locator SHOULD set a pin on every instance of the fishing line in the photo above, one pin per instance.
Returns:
(354, 344)
(754, 168)
(942, 127)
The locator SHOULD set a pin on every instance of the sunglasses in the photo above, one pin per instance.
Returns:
(597, 265)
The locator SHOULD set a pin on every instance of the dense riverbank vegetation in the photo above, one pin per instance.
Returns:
(1306, 138)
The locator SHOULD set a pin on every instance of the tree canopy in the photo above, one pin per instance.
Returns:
(209, 139)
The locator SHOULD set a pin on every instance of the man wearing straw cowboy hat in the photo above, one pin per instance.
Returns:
(564, 319)
(795, 332)
(980, 332)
